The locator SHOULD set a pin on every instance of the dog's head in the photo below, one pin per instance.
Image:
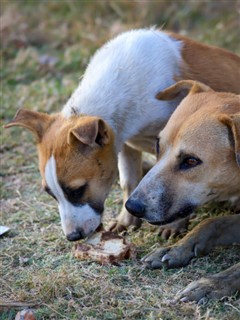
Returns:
(198, 155)
(78, 164)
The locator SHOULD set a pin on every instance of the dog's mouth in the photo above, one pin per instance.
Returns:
(185, 211)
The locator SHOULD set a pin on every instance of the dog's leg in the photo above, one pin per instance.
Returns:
(219, 285)
(130, 173)
(212, 232)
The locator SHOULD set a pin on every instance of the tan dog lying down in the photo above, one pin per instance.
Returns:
(198, 161)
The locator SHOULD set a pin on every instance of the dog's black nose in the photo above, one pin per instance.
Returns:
(135, 207)
(74, 236)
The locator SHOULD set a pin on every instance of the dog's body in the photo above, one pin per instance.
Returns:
(114, 113)
(199, 161)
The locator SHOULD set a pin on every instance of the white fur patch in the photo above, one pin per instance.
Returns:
(73, 218)
(122, 80)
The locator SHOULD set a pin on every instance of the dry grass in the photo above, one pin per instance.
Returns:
(45, 48)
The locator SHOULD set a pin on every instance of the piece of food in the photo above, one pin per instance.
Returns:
(106, 248)
(25, 315)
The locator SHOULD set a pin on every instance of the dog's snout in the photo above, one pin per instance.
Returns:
(135, 207)
(74, 236)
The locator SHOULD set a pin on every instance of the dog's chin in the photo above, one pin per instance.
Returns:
(185, 211)
(162, 222)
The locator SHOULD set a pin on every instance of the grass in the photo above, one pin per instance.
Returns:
(46, 46)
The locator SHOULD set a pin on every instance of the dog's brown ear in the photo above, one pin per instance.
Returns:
(37, 122)
(183, 88)
(233, 123)
(90, 132)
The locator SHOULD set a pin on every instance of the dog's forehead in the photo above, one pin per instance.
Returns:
(178, 118)
(71, 168)
(76, 168)
(196, 135)
(199, 135)
(196, 116)
(54, 144)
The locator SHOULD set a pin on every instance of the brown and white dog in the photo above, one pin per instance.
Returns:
(113, 116)
(198, 161)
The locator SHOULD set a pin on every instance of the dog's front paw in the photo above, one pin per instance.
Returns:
(174, 228)
(169, 257)
(153, 260)
(201, 291)
(125, 221)
(217, 286)
(116, 226)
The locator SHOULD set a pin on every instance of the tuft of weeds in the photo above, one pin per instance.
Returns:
(45, 47)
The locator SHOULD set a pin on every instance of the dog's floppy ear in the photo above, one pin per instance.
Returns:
(90, 132)
(183, 88)
(37, 122)
(233, 123)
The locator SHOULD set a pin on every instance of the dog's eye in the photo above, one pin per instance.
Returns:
(74, 195)
(157, 147)
(189, 162)
(77, 193)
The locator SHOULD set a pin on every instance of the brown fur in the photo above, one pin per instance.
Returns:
(200, 63)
